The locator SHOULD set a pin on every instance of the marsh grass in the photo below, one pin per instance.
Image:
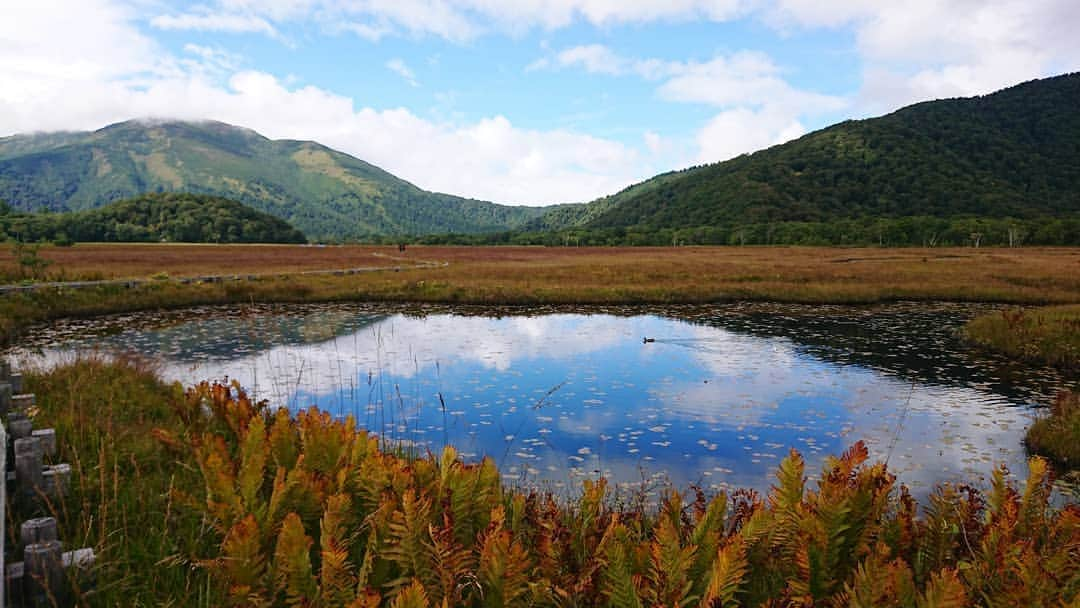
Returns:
(1046, 336)
(539, 275)
(105, 413)
(1056, 435)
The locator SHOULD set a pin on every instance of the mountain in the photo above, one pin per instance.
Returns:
(1011, 154)
(321, 191)
(173, 217)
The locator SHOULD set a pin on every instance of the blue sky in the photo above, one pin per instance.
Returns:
(531, 102)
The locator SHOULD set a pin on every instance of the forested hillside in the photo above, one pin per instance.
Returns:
(176, 218)
(1013, 154)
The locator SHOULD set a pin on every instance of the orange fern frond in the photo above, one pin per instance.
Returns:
(943, 591)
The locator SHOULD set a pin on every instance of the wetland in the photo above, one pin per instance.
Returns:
(715, 397)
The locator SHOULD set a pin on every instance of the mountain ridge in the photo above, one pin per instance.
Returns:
(1014, 152)
(324, 192)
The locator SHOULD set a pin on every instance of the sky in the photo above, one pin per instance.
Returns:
(518, 101)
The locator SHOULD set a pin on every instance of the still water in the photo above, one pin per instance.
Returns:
(715, 397)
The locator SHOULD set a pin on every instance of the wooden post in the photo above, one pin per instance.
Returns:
(20, 426)
(3, 514)
(5, 398)
(43, 574)
(21, 403)
(48, 441)
(38, 530)
(57, 480)
(28, 466)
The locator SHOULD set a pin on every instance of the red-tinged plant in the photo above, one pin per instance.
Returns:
(311, 512)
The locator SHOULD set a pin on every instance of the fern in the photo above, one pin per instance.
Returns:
(618, 575)
(284, 440)
(503, 566)
(243, 563)
(338, 584)
(326, 444)
(292, 564)
(943, 591)
(670, 562)
(222, 501)
(879, 582)
(253, 456)
(706, 537)
(407, 541)
(1036, 495)
(451, 563)
(727, 574)
(412, 596)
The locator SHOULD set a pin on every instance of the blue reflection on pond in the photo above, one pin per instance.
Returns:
(555, 398)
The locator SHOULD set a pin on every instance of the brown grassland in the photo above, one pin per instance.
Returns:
(1035, 275)
(539, 275)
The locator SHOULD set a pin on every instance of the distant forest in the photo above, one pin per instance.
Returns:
(176, 218)
(888, 232)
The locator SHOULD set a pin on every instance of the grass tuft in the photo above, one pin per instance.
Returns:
(1057, 435)
(1045, 336)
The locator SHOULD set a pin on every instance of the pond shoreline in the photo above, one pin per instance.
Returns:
(704, 360)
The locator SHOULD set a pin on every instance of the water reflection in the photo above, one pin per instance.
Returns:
(716, 399)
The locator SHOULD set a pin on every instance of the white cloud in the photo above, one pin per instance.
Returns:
(746, 78)
(740, 130)
(926, 49)
(760, 108)
(214, 22)
(86, 65)
(656, 143)
(399, 67)
(99, 70)
(456, 20)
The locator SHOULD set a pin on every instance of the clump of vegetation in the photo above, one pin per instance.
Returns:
(1048, 336)
(121, 502)
(1057, 435)
(308, 511)
(30, 263)
(205, 498)
(172, 217)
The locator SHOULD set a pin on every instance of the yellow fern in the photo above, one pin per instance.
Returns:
(337, 582)
(943, 591)
(292, 563)
(412, 596)
(726, 575)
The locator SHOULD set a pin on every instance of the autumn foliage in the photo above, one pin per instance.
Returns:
(311, 512)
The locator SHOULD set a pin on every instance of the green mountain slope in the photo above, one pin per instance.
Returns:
(1015, 153)
(325, 193)
(173, 217)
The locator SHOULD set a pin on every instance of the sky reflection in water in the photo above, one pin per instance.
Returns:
(554, 398)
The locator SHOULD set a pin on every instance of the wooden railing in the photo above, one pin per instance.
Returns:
(33, 486)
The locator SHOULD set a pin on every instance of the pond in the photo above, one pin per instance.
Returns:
(715, 397)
